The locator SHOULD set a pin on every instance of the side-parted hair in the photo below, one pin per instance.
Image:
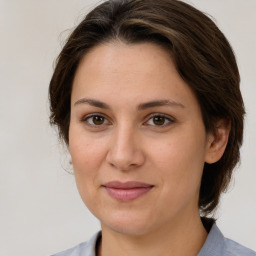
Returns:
(202, 55)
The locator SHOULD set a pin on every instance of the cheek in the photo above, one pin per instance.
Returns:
(180, 151)
(180, 161)
(86, 151)
(87, 157)
(86, 164)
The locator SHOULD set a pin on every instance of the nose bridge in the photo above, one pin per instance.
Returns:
(125, 151)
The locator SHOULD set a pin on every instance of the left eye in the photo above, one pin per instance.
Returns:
(159, 120)
(96, 120)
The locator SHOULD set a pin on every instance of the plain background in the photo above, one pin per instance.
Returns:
(40, 210)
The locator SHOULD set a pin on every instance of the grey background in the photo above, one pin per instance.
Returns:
(40, 209)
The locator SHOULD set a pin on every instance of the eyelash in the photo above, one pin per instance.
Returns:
(167, 119)
(86, 118)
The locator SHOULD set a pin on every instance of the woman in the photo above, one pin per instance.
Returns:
(146, 96)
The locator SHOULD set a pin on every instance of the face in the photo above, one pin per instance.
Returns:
(137, 139)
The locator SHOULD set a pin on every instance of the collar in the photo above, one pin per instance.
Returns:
(213, 246)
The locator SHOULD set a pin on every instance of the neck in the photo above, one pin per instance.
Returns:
(183, 238)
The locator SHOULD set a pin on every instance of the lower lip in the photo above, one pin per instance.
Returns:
(126, 195)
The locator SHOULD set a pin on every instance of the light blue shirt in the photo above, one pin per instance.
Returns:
(215, 245)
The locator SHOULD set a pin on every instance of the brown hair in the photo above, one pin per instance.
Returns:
(201, 53)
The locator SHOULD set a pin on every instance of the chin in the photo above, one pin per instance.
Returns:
(127, 229)
(128, 224)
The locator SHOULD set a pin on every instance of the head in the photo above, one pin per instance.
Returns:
(199, 53)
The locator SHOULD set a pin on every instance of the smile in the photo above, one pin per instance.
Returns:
(127, 191)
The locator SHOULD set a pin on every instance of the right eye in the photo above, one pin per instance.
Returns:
(95, 120)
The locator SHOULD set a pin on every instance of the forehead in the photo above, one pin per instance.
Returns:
(142, 71)
(126, 59)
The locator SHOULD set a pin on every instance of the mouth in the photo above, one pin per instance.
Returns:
(127, 191)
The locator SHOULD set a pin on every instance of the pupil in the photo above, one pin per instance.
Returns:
(98, 120)
(158, 120)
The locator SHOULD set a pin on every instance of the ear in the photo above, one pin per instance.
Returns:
(217, 141)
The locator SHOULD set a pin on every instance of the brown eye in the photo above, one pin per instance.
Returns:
(159, 120)
(96, 120)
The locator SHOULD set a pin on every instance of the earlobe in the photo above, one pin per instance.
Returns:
(217, 142)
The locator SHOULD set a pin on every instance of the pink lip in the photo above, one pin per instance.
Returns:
(127, 191)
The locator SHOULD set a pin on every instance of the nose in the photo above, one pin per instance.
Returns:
(125, 151)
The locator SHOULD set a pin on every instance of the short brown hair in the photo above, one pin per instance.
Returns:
(202, 56)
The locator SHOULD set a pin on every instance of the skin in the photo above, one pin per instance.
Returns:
(127, 144)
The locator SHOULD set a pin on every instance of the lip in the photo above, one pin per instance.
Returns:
(127, 191)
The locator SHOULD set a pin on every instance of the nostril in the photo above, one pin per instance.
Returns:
(126, 163)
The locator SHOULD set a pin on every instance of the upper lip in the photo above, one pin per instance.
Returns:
(127, 185)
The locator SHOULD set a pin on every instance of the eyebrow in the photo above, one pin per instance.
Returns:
(94, 103)
(142, 106)
(159, 103)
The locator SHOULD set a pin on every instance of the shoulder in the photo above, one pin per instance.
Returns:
(233, 248)
(75, 251)
(216, 244)
(85, 248)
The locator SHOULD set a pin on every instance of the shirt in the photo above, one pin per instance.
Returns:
(215, 245)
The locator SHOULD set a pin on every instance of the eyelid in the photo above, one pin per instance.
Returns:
(86, 117)
(168, 117)
(150, 116)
